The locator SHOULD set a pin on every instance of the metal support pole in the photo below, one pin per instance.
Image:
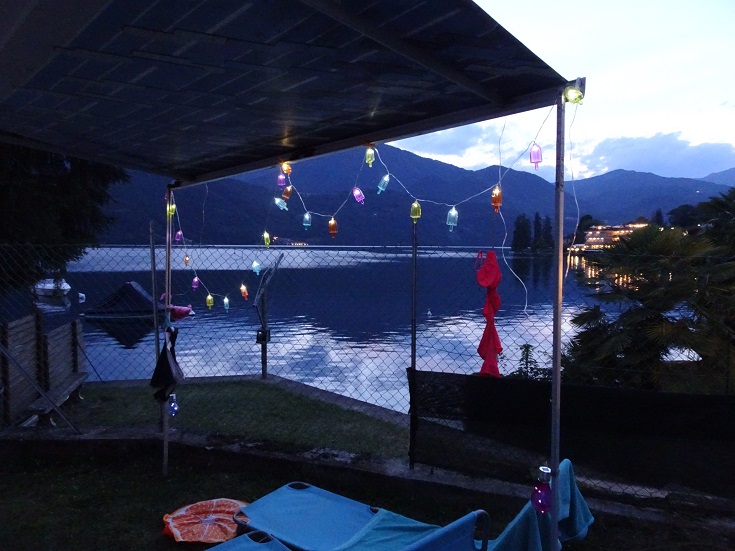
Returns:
(264, 340)
(167, 302)
(413, 429)
(153, 290)
(556, 346)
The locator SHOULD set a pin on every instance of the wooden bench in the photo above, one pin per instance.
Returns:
(70, 387)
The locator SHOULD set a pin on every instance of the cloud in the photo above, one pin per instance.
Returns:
(663, 154)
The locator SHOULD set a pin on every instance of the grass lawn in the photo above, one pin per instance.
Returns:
(109, 495)
(249, 410)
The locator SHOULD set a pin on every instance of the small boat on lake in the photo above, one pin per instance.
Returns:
(51, 288)
(128, 303)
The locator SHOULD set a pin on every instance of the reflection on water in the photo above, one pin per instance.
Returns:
(342, 323)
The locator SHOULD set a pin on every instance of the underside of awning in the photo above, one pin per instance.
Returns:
(199, 90)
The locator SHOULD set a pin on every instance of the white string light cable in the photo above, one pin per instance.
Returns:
(574, 188)
(389, 175)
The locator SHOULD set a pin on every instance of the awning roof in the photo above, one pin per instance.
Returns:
(202, 89)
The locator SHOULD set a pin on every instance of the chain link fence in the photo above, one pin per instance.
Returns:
(308, 348)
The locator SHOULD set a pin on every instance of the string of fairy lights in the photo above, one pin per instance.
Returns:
(287, 189)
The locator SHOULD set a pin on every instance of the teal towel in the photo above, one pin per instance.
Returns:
(529, 530)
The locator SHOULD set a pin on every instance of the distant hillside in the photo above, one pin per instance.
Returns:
(621, 196)
(237, 210)
(726, 177)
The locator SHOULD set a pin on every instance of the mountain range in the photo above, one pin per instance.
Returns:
(237, 210)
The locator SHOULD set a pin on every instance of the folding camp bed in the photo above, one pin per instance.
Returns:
(307, 518)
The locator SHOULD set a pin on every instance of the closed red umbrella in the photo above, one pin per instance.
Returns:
(489, 276)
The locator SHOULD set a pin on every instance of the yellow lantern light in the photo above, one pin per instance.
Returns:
(415, 211)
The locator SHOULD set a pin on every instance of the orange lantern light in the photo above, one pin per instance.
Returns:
(244, 291)
(333, 227)
(287, 192)
(497, 198)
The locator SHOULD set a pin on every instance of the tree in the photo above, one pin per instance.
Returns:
(585, 223)
(658, 218)
(521, 234)
(547, 234)
(662, 290)
(685, 216)
(51, 200)
(536, 242)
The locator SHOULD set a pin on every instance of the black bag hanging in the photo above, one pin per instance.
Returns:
(167, 373)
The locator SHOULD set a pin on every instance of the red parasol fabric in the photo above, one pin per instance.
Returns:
(489, 276)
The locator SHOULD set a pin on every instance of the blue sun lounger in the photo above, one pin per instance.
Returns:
(306, 518)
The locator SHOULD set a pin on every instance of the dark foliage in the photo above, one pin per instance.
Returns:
(51, 200)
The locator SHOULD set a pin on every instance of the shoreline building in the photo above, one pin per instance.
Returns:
(597, 238)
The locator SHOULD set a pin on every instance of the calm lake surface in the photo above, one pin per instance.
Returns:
(340, 319)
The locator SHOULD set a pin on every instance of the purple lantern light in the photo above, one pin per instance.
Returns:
(359, 195)
(535, 155)
(541, 494)
(281, 180)
(195, 283)
(179, 236)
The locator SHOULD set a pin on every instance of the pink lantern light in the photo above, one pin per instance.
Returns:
(359, 195)
(535, 155)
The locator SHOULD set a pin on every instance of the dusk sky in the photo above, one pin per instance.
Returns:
(660, 90)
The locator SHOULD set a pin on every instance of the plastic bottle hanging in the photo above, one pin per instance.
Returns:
(497, 198)
(172, 406)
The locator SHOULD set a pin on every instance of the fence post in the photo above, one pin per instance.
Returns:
(5, 375)
(413, 418)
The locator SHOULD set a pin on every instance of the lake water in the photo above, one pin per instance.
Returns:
(340, 319)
